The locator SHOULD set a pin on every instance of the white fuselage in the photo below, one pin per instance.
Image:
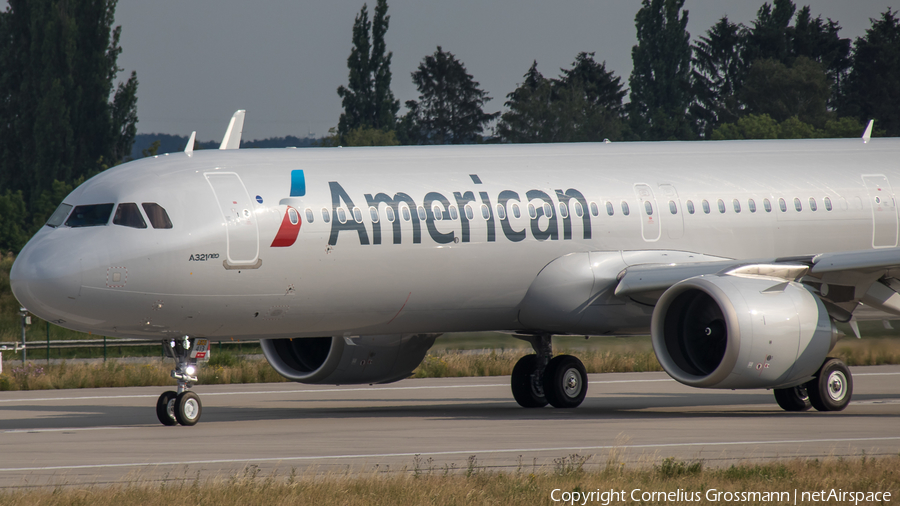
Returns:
(217, 274)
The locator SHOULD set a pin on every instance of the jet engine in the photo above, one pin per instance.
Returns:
(741, 331)
(347, 360)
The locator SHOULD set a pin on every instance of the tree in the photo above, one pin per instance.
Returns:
(58, 66)
(450, 105)
(584, 104)
(769, 37)
(717, 75)
(763, 126)
(367, 99)
(874, 83)
(781, 92)
(773, 37)
(660, 80)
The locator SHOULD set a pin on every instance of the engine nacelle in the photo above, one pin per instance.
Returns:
(347, 360)
(737, 331)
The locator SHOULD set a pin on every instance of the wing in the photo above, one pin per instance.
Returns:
(860, 284)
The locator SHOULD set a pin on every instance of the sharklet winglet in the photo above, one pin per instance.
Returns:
(232, 139)
(189, 148)
(868, 133)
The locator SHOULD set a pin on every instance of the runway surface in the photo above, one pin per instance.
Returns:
(112, 435)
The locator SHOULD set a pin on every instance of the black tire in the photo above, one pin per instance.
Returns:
(793, 399)
(832, 387)
(188, 408)
(565, 382)
(165, 408)
(523, 388)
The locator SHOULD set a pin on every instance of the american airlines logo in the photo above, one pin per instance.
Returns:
(446, 221)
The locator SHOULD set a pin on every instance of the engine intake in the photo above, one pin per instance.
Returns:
(347, 361)
(741, 331)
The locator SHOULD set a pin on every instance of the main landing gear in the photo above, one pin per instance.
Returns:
(181, 406)
(829, 390)
(538, 380)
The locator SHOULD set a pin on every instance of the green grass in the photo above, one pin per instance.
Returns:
(422, 482)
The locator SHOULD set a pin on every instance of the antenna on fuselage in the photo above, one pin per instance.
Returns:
(232, 139)
(189, 149)
(868, 133)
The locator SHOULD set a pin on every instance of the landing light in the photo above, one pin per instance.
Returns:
(190, 370)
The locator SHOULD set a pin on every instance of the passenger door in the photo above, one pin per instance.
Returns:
(241, 228)
(884, 211)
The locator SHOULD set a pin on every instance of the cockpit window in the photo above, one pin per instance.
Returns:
(94, 215)
(128, 215)
(157, 215)
(59, 216)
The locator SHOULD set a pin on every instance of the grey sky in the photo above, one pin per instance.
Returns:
(200, 60)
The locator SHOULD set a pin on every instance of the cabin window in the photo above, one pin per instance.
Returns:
(705, 205)
(128, 215)
(827, 204)
(341, 215)
(373, 213)
(325, 216)
(59, 216)
(751, 205)
(798, 205)
(812, 204)
(737, 205)
(579, 211)
(690, 207)
(625, 209)
(721, 204)
(595, 209)
(648, 207)
(310, 217)
(548, 210)
(357, 215)
(501, 212)
(470, 214)
(389, 214)
(610, 209)
(516, 211)
(563, 210)
(404, 211)
(782, 205)
(672, 207)
(158, 216)
(437, 212)
(485, 211)
(293, 216)
(422, 214)
(532, 211)
(454, 214)
(767, 205)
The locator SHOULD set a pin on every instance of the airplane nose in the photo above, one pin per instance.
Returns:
(46, 279)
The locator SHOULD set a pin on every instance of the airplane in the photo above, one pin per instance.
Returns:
(737, 257)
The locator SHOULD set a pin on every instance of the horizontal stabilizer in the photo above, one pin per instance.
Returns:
(232, 139)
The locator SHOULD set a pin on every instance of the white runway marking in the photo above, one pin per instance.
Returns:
(339, 390)
(79, 429)
(459, 452)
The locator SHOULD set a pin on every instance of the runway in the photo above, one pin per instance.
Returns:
(112, 435)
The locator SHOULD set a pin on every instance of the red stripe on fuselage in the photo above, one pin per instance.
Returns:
(287, 233)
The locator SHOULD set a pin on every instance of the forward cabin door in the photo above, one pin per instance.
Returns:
(884, 211)
(241, 229)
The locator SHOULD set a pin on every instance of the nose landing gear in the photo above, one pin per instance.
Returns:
(538, 380)
(182, 406)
